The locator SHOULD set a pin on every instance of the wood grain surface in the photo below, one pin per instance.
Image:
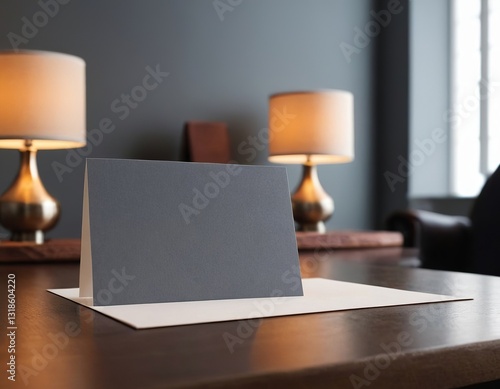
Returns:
(61, 345)
(348, 239)
(51, 250)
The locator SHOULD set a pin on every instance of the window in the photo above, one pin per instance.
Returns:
(475, 93)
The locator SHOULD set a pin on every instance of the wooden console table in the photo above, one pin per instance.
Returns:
(354, 244)
(52, 250)
(348, 239)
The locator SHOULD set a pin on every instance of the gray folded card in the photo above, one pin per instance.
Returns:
(157, 231)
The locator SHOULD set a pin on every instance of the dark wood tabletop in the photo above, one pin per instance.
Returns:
(63, 345)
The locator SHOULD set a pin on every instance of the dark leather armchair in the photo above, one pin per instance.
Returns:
(453, 242)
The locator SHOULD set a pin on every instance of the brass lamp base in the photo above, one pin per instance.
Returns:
(35, 237)
(311, 205)
(26, 208)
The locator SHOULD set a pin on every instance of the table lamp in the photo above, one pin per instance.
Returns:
(42, 106)
(310, 128)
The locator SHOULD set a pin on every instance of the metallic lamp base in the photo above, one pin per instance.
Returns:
(26, 209)
(34, 237)
(312, 227)
(312, 206)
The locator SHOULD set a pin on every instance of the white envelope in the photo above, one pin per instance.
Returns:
(320, 295)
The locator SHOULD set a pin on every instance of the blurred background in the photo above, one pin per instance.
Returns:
(225, 57)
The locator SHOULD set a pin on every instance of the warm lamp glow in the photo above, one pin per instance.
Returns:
(42, 106)
(311, 128)
(42, 98)
(318, 127)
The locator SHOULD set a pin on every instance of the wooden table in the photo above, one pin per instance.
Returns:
(52, 250)
(63, 345)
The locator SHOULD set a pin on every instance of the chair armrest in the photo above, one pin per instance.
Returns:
(443, 241)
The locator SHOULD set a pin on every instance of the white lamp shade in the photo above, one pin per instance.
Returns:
(316, 126)
(42, 98)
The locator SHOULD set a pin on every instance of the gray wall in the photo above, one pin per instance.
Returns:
(219, 70)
